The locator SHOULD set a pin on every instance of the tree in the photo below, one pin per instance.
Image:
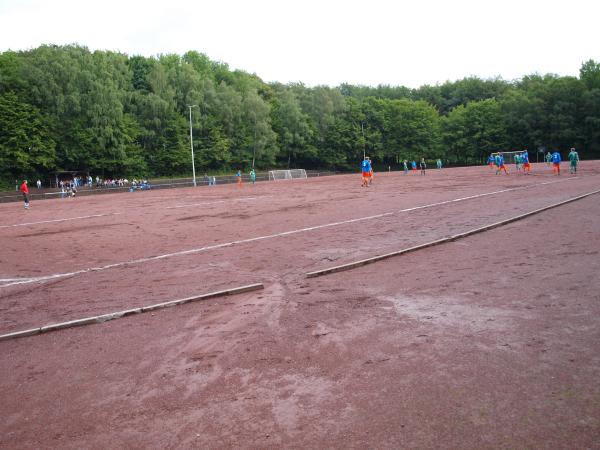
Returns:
(26, 147)
(119, 115)
(291, 125)
(413, 130)
(473, 131)
(590, 74)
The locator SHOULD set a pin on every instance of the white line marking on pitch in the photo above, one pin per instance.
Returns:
(453, 238)
(260, 238)
(57, 220)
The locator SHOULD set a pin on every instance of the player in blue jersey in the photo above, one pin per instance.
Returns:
(491, 161)
(556, 159)
(500, 164)
(525, 161)
(366, 170)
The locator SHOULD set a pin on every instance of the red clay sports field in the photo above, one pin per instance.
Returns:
(488, 341)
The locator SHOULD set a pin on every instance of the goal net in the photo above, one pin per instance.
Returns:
(286, 174)
(509, 157)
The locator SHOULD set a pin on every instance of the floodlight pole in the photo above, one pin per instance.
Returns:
(362, 128)
(254, 150)
(192, 144)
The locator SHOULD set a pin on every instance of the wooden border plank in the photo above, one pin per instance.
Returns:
(129, 312)
(363, 262)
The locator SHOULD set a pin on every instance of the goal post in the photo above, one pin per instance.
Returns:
(289, 174)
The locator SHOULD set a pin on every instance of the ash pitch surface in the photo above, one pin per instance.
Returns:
(488, 342)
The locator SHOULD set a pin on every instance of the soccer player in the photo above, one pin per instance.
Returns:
(439, 163)
(25, 192)
(253, 176)
(525, 161)
(405, 166)
(500, 164)
(491, 161)
(238, 175)
(548, 158)
(556, 159)
(423, 166)
(366, 170)
(518, 162)
(413, 166)
(573, 159)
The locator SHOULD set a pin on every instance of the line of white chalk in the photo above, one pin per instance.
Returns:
(59, 220)
(260, 238)
(374, 259)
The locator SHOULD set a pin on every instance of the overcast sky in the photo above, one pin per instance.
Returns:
(368, 42)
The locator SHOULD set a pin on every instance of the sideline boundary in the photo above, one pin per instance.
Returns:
(364, 262)
(59, 220)
(4, 284)
(128, 312)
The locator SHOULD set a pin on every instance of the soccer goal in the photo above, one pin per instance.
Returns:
(286, 174)
(509, 157)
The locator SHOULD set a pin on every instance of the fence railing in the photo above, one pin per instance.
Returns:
(50, 193)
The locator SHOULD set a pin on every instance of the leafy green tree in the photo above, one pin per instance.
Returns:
(524, 119)
(590, 74)
(119, 115)
(26, 147)
(413, 130)
(11, 79)
(260, 139)
(291, 125)
(474, 131)
(590, 144)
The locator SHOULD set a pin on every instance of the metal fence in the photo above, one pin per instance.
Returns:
(44, 194)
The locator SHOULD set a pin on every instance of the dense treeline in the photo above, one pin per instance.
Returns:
(66, 108)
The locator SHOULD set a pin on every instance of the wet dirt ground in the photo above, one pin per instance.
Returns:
(492, 341)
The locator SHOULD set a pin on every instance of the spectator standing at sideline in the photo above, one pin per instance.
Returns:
(39, 184)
